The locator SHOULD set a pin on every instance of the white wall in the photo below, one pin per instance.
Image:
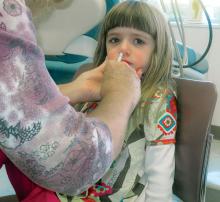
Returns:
(197, 38)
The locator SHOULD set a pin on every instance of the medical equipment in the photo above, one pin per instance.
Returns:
(187, 59)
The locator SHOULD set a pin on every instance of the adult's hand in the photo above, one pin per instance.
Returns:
(86, 87)
(122, 81)
(120, 94)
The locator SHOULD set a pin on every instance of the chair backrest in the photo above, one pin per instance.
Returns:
(196, 103)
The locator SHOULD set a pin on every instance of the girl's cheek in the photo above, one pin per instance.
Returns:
(140, 59)
(111, 55)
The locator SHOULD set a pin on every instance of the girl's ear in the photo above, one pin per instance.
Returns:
(139, 72)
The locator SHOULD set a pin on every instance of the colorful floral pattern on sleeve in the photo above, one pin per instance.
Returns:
(161, 125)
(50, 142)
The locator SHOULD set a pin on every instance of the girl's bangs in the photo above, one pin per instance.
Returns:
(133, 18)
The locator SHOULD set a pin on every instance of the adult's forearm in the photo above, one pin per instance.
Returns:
(39, 131)
(115, 111)
(71, 91)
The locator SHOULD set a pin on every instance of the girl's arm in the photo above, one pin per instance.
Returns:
(159, 169)
(160, 158)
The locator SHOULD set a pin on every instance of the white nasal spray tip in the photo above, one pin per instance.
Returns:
(120, 56)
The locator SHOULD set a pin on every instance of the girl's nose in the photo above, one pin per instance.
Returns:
(124, 47)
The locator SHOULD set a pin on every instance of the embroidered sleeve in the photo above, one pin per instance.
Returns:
(40, 132)
(160, 126)
(159, 155)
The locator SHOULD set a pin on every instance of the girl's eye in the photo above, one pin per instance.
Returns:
(113, 40)
(139, 41)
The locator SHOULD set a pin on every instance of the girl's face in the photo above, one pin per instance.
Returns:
(135, 45)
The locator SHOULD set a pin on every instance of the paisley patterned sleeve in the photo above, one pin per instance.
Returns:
(160, 130)
(161, 122)
(40, 132)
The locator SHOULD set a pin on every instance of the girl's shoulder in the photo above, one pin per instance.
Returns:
(161, 99)
(162, 92)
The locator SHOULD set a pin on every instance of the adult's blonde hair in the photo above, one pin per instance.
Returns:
(42, 8)
(144, 17)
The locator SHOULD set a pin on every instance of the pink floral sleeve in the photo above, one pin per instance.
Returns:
(40, 132)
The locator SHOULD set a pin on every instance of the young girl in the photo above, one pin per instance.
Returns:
(137, 34)
(144, 170)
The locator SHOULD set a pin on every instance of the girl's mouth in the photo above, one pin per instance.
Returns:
(129, 63)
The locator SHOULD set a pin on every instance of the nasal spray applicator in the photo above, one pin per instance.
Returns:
(120, 56)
